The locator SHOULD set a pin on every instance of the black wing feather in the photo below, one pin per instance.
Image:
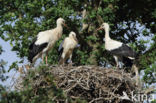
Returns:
(60, 50)
(35, 49)
(61, 46)
(124, 51)
(32, 43)
(127, 62)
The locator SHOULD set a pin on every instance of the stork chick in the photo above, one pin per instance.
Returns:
(45, 41)
(67, 46)
(118, 49)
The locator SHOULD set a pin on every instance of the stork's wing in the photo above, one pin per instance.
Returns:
(60, 50)
(125, 51)
(32, 43)
(43, 37)
(61, 46)
(35, 49)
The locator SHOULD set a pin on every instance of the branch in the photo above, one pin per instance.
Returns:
(149, 90)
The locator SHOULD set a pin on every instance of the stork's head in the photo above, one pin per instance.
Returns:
(73, 35)
(61, 21)
(104, 26)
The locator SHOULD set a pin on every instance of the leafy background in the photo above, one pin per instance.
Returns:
(131, 21)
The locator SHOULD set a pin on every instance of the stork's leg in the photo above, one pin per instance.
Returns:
(20, 69)
(70, 60)
(63, 59)
(137, 75)
(117, 61)
(61, 62)
(46, 59)
(34, 60)
(42, 58)
(27, 67)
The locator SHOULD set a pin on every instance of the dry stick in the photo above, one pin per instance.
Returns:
(71, 88)
(96, 99)
(88, 79)
(137, 76)
(149, 90)
(67, 78)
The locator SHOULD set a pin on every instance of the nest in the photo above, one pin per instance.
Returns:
(91, 83)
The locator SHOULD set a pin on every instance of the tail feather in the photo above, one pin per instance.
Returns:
(127, 62)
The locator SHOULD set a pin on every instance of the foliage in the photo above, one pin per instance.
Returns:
(21, 20)
(1, 50)
(153, 101)
(3, 77)
(2, 65)
(37, 86)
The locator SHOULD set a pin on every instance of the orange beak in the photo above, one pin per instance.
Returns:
(99, 29)
(65, 25)
(75, 39)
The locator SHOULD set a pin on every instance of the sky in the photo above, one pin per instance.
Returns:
(10, 57)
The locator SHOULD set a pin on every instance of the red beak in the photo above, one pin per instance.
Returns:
(99, 29)
(65, 25)
(75, 39)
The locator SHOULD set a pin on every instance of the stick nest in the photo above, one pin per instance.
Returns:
(91, 83)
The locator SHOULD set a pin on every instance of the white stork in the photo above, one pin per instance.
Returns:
(67, 46)
(120, 50)
(44, 41)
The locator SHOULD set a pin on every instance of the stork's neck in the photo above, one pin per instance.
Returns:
(59, 27)
(73, 38)
(107, 38)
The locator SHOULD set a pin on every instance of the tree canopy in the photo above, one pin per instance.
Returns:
(3, 77)
(2, 69)
(21, 20)
(131, 22)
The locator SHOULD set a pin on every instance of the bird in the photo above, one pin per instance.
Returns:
(45, 41)
(67, 47)
(119, 50)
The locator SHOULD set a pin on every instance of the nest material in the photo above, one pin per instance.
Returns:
(91, 83)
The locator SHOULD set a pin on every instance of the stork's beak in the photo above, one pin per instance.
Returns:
(75, 39)
(99, 29)
(65, 25)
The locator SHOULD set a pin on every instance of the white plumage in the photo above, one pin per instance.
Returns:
(112, 44)
(44, 41)
(118, 49)
(67, 47)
